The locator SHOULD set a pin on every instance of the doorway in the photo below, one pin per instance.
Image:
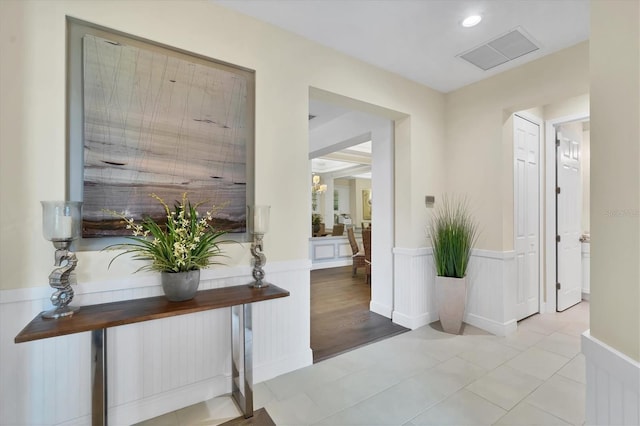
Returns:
(567, 211)
(328, 141)
(356, 126)
(569, 224)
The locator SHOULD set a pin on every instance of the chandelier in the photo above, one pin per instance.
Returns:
(316, 188)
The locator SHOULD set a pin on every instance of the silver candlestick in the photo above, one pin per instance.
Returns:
(61, 225)
(259, 260)
(258, 217)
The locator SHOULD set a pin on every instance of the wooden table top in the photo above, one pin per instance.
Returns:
(105, 315)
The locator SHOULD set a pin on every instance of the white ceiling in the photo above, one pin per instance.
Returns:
(420, 39)
(352, 162)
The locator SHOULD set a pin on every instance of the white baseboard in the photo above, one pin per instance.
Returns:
(284, 365)
(415, 321)
(490, 298)
(613, 384)
(137, 411)
(486, 324)
(586, 295)
(157, 405)
(493, 327)
(380, 309)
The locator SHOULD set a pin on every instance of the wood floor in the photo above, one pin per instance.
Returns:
(340, 316)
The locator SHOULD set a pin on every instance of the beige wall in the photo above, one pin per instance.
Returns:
(615, 175)
(585, 175)
(567, 107)
(32, 123)
(479, 158)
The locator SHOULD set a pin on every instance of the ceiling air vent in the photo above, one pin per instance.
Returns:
(500, 50)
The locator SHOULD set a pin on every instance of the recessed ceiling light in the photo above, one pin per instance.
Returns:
(471, 21)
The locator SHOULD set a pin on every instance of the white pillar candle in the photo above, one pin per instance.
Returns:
(62, 227)
(260, 219)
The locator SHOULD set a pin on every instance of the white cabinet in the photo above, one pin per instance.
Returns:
(329, 252)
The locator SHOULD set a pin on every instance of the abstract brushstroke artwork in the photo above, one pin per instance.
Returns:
(160, 123)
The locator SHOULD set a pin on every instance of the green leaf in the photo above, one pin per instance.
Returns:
(453, 235)
(184, 243)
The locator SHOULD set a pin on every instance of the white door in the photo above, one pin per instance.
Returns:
(569, 216)
(526, 140)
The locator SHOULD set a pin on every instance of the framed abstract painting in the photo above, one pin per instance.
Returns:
(149, 119)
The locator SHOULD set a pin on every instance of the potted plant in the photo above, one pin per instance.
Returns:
(178, 249)
(316, 219)
(453, 234)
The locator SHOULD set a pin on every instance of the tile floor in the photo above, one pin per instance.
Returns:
(425, 377)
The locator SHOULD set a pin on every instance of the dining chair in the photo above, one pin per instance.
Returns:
(338, 230)
(366, 242)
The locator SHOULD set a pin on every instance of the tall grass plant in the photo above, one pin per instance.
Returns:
(454, 232)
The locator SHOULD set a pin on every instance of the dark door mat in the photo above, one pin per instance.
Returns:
(260, 418)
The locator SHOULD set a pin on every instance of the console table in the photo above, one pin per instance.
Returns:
(97, 318)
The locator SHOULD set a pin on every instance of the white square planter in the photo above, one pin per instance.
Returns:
(451, 298)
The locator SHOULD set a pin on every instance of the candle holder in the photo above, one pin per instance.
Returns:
(258, 224)
(61, 225)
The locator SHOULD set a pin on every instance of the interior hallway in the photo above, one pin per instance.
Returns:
(426, 377)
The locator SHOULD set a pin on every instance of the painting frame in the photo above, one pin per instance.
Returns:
(78, 105)
(366, 204)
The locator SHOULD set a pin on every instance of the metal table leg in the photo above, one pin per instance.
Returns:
(242, 357)
(99, 369)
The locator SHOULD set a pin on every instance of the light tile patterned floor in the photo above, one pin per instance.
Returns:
(425, 377)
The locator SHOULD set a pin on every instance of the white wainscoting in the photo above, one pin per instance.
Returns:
(154, 367)
(490, 292)
(613, 384)
(329, 252)
(414, 296)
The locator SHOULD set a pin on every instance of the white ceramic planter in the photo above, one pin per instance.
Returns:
(451, 297)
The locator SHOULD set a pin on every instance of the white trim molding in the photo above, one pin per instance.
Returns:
(155, 366)
(414, 290)
(490, 294)
(329, 252)
(613, 384)
(490, 291)
(586, 271)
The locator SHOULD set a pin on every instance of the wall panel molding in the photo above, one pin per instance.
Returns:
(155, 366)
(490, 298)
(613, 384)
(414, 287)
